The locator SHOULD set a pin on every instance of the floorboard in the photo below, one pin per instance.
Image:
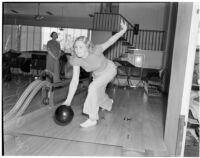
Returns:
(109, 130)
(134, 127)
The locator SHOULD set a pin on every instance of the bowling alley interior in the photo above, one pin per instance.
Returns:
(155, 92)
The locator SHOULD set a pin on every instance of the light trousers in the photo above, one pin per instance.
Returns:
(97, 96)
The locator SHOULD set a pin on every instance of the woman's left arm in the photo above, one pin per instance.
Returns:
(115, 37)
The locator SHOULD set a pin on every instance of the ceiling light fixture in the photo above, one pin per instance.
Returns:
(38, 16)
(14, 11)
(49, 13)
(91, 15)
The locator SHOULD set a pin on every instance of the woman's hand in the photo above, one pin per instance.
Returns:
(123, 25)
(67, 103)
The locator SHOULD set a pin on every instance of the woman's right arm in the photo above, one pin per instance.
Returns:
(73, 85)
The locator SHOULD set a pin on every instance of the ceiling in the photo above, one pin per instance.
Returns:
(51, 9)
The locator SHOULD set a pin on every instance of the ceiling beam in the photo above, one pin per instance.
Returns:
(49, 21)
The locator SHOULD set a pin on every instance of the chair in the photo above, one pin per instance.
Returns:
(38, 63)
(123, 71)
(130, 67)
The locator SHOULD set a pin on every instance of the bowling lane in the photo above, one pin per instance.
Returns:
(27, 145)
(12, 90)
(134, 124)
(109, 131)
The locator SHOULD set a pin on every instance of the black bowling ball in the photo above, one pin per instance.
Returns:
(63, 115)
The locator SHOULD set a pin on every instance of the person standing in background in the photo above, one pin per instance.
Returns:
(54, 52)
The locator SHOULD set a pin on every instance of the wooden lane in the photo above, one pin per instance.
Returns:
(109, 130)
(35, 103)
(153, 125)
(144, 123)
(28, 145)
(134, 126)
(133, 138)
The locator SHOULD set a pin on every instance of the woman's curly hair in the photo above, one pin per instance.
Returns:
(90, 46)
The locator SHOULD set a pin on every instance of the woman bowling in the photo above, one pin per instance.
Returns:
(90, 57)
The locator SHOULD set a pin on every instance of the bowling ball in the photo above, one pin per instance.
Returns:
(63, 115)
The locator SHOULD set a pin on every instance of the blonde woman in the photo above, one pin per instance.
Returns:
(90, 57)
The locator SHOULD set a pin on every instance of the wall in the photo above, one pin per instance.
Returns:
(99, 37)
(181, 75)
(153, 59)
(169, 45)
(191, 49)
(150, 16)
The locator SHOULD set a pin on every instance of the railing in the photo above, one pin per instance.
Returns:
(108, 22)
(116, 50)
(145, 39)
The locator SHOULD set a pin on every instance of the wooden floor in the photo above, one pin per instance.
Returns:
(134, 127)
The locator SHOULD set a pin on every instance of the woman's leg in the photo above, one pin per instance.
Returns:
(96, 93)
(104, 101)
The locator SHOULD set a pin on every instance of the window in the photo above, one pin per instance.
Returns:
(10, 37)
(28, 38)
(66, 36)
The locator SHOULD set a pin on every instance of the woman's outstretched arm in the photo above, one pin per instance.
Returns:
(73, 85)
(115, 37)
